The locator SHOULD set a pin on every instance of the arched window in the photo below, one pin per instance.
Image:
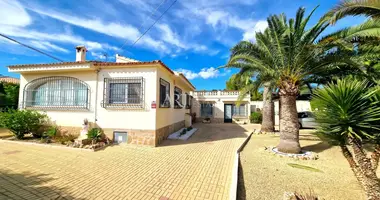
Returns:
(56, 92)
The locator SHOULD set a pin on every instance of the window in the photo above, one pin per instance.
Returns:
(253, 108)
(123, 92)
(188, 101)
(206, 110)
(178, 98)
(164, 94)
(239, 110)
(56, 92)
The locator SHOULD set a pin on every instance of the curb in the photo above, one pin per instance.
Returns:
(235, 169)
(52, 146)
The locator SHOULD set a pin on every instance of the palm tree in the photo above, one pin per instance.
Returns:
(349, 113)
(285, 55)
(263, 79)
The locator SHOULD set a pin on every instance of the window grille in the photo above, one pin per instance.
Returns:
(56, 92)
(123, 92)
(206, 110)
(164, 94)
(178, 98)
(239, 110)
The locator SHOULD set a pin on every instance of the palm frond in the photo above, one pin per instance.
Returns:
(346, 108)
(369, 8)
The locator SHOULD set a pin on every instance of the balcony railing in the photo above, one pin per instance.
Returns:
(216, 93)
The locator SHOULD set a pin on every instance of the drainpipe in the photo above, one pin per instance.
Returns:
(96, 96)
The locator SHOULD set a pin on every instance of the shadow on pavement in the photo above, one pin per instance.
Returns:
(29, 186)
(241, 193)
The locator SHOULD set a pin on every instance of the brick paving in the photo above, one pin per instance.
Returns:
(199, 168)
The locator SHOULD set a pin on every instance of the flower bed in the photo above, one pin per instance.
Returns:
(183, 134)
(30, 140)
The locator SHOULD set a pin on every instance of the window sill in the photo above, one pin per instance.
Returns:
(123, 106)
(59, 108)
(164, 106)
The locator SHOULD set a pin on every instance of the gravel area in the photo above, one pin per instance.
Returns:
(266, 176)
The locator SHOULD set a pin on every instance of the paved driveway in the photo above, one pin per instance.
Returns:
(199, 168)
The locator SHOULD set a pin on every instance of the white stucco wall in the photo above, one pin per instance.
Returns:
(123, 118)
(66, 117)
(218, 101)
(169, 116)
(118, 118)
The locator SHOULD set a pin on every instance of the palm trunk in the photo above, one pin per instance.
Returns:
(370, 181)
(375, 157)
(354, 167)
(289, 130)
(267, 125)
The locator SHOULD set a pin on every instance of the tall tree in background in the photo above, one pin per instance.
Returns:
(236, 82)
(9, 93)
(241, 57)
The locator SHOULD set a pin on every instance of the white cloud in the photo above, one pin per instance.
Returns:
(17, 26)
(114, 29)
(54, 37)
(221, 15)
(12, 13)
(99, 56)
(214, 17)
(251, 33)
(188, 73)
(169, 36)
(204, 73)
(207, 73)
(47, 46)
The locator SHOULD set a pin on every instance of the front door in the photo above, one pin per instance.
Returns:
(227, 113)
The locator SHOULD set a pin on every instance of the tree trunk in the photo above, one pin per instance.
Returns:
(355, 168)
(289, 130)
(375, 157)
(370, 181)
(267, 125)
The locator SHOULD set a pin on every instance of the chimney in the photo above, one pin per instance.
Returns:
(80, 53)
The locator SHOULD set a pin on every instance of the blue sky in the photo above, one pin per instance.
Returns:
(193, 37)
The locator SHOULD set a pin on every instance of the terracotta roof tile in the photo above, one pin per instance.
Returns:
(7, 79)
(52, 64)
(101, 63)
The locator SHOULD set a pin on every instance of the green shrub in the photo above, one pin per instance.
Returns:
(256, 117)
(183, 132)
(95, 134)
(21, 122)
(52, 132)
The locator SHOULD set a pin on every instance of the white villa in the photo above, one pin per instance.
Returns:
(221, 106)
(132, 101)
(127, 98)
